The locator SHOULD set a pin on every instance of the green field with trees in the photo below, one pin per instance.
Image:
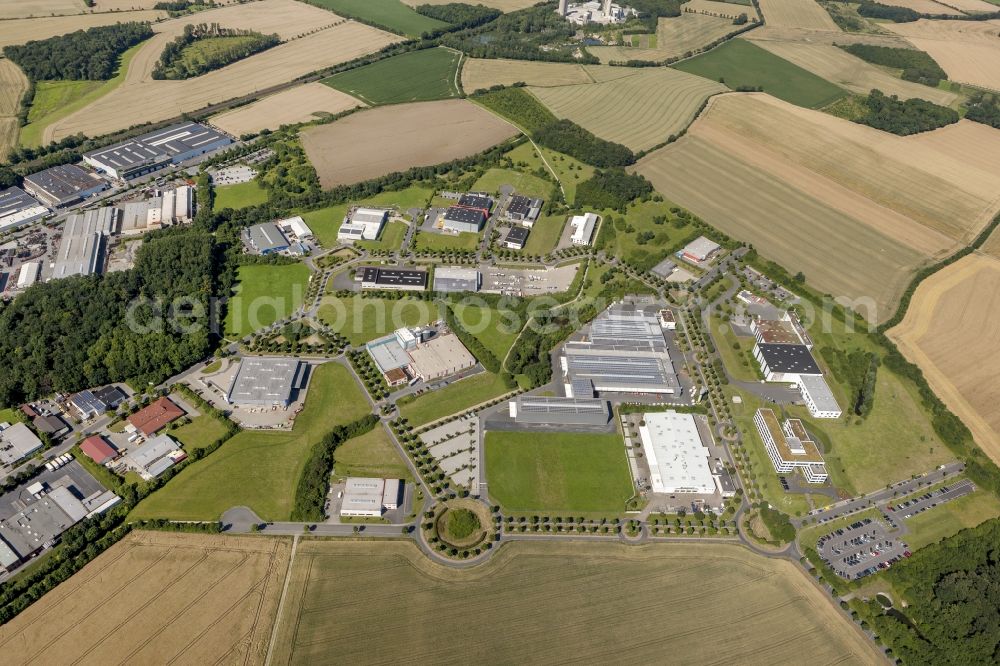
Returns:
(558, 472)
(391, 15)
(361, 320)
(202, 48)
(417, 76)
(745, 66)
(240, 195)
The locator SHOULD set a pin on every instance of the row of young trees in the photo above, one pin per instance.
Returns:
(84, 55)
(177, 62)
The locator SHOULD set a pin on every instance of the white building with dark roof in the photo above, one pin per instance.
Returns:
(156, 150)
(18, 208)
(63, 185)
(523, 209)
(785, 363)
(464, 220)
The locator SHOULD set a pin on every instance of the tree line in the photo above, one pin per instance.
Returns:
(84, 55)
(460, 15)
(984, 107)
(176, 62)
(472, 343)
(917, 66)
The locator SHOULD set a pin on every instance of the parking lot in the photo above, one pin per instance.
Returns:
(929, 500)
(528, 282)
(861, 549)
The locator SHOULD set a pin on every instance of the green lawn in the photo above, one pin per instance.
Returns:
(740, 64)
(201, 432)
(666, 239)
(545, 234)
(265, 294)
(371, 455)
(431, 241)
(325, 223)
(496, 330)
(361, 320)
(8, 415)
(391, 238)
(569, 170)
(260, 469)
(54, 100)
(737, 361)
(390, 14)
(557, 472)
(416, 76)
(240, 195)
(524, 183)
(949, 518)
(454, 398)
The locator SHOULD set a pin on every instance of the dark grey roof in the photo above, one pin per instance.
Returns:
(789, 359)
(14, 199)
(475, 201)
(464, 215)
(64, 182)
(155, 146)
(552, 410)
(522, 205)
(394, 276)
(517, 235)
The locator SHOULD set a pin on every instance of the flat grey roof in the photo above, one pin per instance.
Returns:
(155, 146)
(65, 181)
(388, 354)
(622, 371)
(517, 235)
(267, 236)
(789, 359)
(456, 279)
(83, 240)
(261, 381)
(820, 393)
(14, 200)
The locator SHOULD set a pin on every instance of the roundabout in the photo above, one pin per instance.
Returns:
(460, 529)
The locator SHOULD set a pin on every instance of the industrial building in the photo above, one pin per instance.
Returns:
(17, 209)
(98, 449)
(560, 411)
(155, 416)
(267, 381)
(700, 250)
(583, 228)
(425, 356)
(81, 250)
(295, 228)
(63, 185)
(370, 498)
(523, 209)
(476, 201)
(172, 207)
(667, 320)
(29, 274)
(516, 238)
(449, 279)
(664, 269)
(266, 238)
(156, 150)
(51, 425)
(678, 457)
(90, 403)
(790, 447)
(154, 457)
(623, 351)
(785, 363)
(819, 399)
(362, 224)
(392, 279)
(17, 442)
(464, 220)
(602, 12)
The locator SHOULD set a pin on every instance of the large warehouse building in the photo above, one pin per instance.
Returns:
(63, 185)
(81, 250)
(267, 381)
(156, 150)
(362, 224)
(678, 458)
(392, 279)
(464, 220)
(370, 498)
(449, 279)
(560, 411)
(17, 209)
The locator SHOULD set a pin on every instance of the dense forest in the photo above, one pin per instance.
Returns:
(904, 117)
(917, 66)
(952, 590)
(177, 61)
(613, 189)
(895, 14)
(70, 334)
(521, 35)
(84, 55)
(460, 15)
(984, 108)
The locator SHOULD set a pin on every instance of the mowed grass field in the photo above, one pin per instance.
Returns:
(952, 331)
(949, 518)
(265, 294)
(417, 76)
(496, 329)
(376, 142)
(486, 73)
(560, 602)
(260, 469)
(370, 455)
(454, 398)
(239, 195)
(739, 63)
(570, 171)
(676, 36)
(523, 183)
(639, 111)
(390, 14)
(203, 431)
(574, 472)
(361, 320)
(158, 597)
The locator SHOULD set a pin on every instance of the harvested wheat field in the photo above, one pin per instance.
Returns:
(19, 31)
(972, 6)
(158, 597)
(126, 5)
(502, 5)
(927, 6)
(952, 331)
(295, 105)
(13, 83)
(804, 14)
(933, 185)
(843, 69)
(838, 254)
(334, 41)
(482, 73)
(661, 102)
(976, 143)
(383, 140)
(25, 8)
(969, 51)
(559, 603)
(726, 9)
(675, 37)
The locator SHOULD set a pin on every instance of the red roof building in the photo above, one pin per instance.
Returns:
(154, 417)
(98, 449)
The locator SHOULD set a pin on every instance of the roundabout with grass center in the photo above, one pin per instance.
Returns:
(462, 524)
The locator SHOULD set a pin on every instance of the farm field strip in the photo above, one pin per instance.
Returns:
(968, 51)
(25, 8)
(383, 140)
(726, 9)
(675, 36)
(13, 83)
(502, 5)
(935, 188)
(836, 253)
(483, 73)
(952, 332)
(845, 70)
(970, 6)
(19, 31)
(661, 103)
(562, 601)
(805, 14)
(295, 105)
(929, 6)
(158, 597)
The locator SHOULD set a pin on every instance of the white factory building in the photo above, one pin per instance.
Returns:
(603, 12)
(370, 498)
(583, 228)
(678, 458)
(17, 209)
(790, 447)
(362, 224)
